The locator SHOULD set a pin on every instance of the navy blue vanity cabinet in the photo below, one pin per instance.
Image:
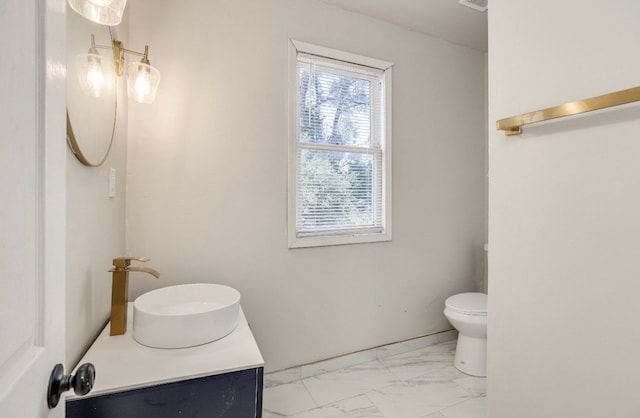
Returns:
(229, 395)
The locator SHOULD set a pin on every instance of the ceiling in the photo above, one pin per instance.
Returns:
(445, 19)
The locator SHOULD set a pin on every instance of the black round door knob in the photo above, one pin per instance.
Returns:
(81, 382)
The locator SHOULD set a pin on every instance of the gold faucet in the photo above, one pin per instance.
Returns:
(120, 290)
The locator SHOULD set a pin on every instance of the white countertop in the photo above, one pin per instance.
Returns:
(123, 364)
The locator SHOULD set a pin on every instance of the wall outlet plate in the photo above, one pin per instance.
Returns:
(112, 182)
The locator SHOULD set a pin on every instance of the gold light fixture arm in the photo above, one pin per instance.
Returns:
(514, 124)
(118, 53)
(118, 56)
(142, 78)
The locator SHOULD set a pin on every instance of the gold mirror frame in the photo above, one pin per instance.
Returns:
(75, 147)
(72, 139)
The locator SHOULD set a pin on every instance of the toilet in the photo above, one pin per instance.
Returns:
(467, 312)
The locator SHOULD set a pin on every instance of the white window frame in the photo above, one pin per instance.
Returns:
(297, 240)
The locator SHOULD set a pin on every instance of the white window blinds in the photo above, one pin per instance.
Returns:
(339, 148)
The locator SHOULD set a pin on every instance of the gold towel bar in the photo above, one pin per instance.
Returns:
(513, 125)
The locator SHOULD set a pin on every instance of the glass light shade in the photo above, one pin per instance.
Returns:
(104, 12)
(142, 82)
(91, 74)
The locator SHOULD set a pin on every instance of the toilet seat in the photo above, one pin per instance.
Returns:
(472, 303)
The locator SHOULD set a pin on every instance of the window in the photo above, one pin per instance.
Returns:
(340, 148)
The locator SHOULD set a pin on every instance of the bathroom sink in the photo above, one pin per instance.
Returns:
(185, 315)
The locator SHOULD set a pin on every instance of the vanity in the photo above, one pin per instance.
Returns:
(186, 375)
(223, 378)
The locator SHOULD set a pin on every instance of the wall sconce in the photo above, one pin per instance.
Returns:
(142, 78)
(91, 72)
(104, 12)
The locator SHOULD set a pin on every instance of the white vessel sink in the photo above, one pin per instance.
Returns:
(185, 315)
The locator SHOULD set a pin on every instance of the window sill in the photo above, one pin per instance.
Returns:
(323, 241)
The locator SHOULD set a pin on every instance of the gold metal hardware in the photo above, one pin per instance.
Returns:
(513, 125)
(148, 270)
(120, 290)
(142, 78)
(119, 52)
(122, 262)
(118, 56)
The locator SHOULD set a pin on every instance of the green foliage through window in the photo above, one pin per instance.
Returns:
(339, 178)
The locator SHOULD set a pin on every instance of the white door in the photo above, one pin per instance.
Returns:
(32, 203)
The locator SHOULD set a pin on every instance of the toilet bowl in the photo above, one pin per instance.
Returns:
(467, 312)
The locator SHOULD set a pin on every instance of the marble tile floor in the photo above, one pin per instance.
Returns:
(411, 379)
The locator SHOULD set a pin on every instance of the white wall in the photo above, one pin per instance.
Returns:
(207, 175)
(564, 205)
(95, 235)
